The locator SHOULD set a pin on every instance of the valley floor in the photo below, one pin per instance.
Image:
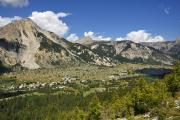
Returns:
(88, 92)
(81, 72)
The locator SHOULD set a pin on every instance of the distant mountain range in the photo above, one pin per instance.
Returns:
(24, 44)
(171, 48)
(128, 51)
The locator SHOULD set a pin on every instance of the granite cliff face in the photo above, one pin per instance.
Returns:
(25, 44)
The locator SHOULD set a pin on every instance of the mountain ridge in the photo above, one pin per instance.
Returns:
(171, 48)
(24, 43)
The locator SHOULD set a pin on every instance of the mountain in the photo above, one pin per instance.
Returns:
(23, 43)
(88, 40)
(171, 48)
(129, 51)
(85, 40)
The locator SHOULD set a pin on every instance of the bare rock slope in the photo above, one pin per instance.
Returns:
(129, 51)
(25, 44)
(171, 48)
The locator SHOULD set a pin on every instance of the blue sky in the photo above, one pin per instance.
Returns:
(110, 18)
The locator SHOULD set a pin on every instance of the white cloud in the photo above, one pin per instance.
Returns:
(62, 14)
(141, 36)
(72, 37)
(6, 20)
(167, 10)
(14, 3)
(50, 21)
(96, 37)
(119, 39)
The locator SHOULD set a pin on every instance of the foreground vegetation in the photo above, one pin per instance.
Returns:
(131, 98)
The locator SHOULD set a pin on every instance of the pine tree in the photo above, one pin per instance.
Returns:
(94, 109)
(173, 80)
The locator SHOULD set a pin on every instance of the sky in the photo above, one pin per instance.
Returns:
(136, 20)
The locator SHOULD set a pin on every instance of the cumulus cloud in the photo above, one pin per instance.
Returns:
(141, 36)
(50, 21)
(14, 3)
(6, 20)
(96, 37)
(72, 37)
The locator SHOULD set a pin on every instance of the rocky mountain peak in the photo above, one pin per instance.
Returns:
(25, 44)
(85, 40)
(22, 39)
(17, 29)
(19, 38)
